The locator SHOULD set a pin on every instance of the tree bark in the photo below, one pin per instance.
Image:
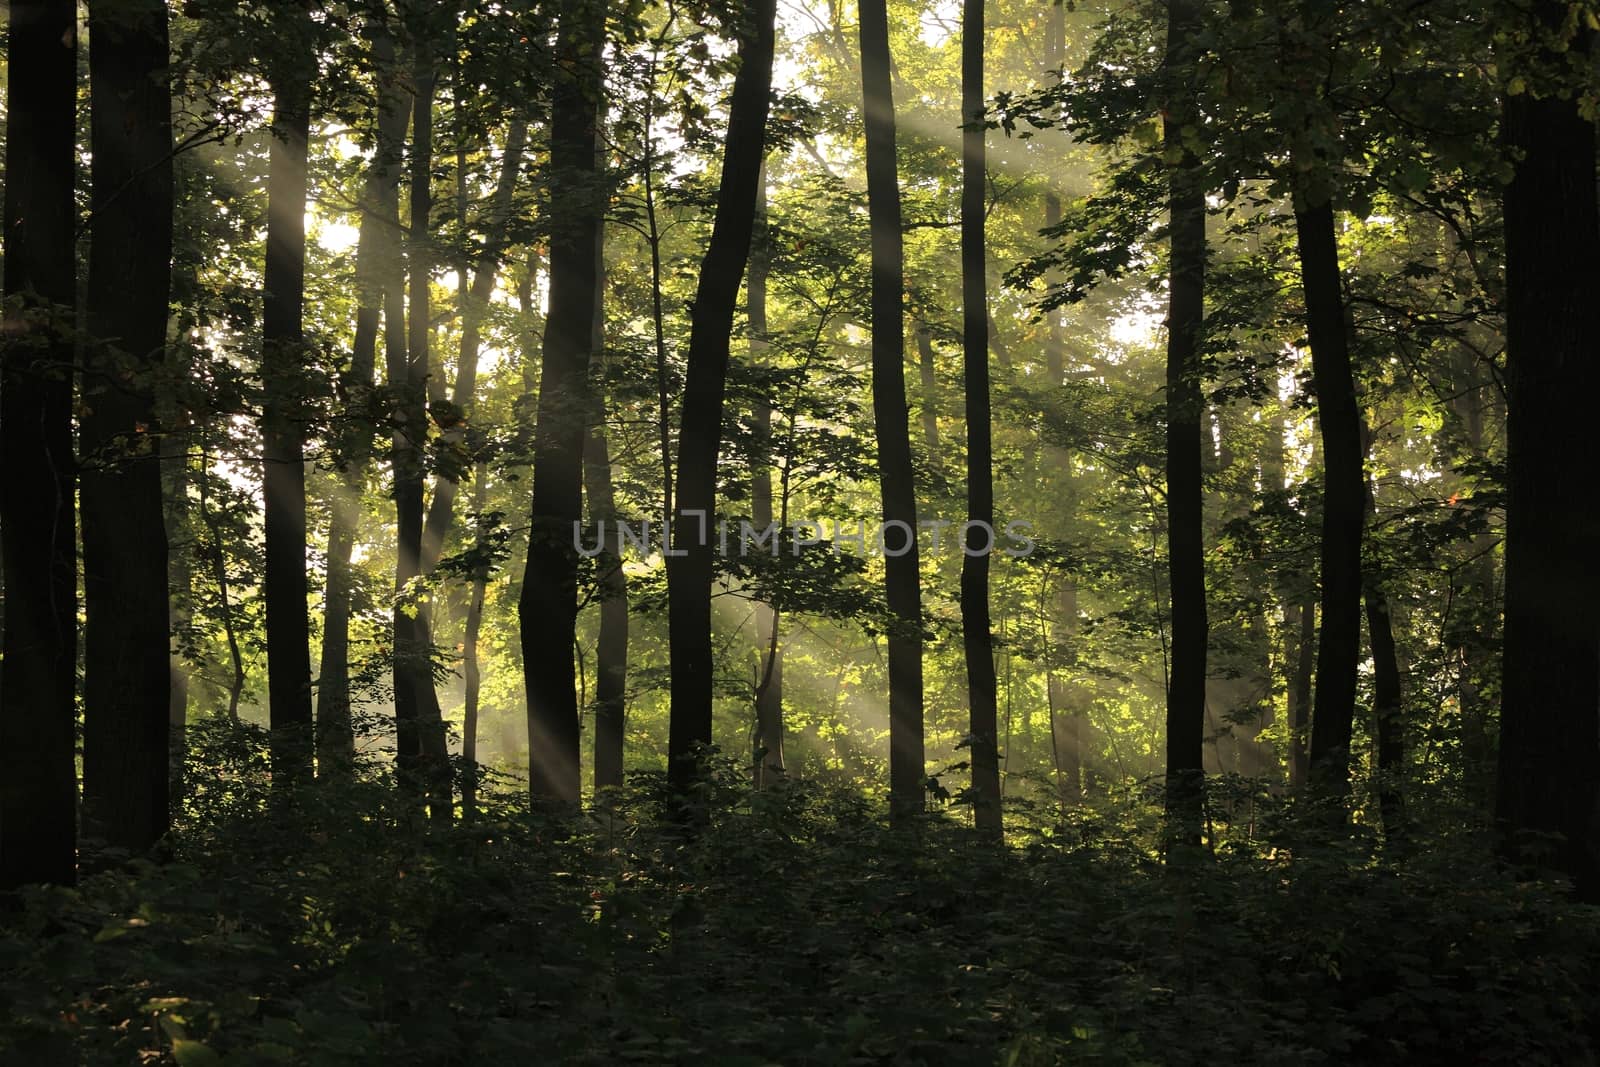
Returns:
(423, 760)
(548, 606)
(377, 244)
(1387, 710)
(471, 673)
(611, 651)
(282, 427)
(38, 721)
(1344, 501)
(1186, 695)
(891, 420)
(977, 638)
(767, 743)
(690, 564)
(127, 678)
(1549, 764)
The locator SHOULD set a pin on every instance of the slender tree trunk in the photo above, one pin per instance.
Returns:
(978, 541)
(548, 607)
(441, 509)
(690, 563)
(1303, 622)
(1343, 502)
(471, 672)
(38, 721)
(127, 679)
(180, 548)
(767, 744)
(1549, 765)
(424, 762)
(219, 575)
(891, 420)
(282, 428)
(930, 393)
(377, 243)
(1387, 709)
(611, 651)
(1186, 694)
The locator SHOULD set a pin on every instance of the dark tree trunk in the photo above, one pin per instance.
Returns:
(891, 420)
(690, 565)
(1302, 618)
(38, 721)
(423, 760)
(930, 393)
(548, 606)
(180, 591)
(611, 651)
(1386, 693)
(1344, 502)
(1549, 764)
(377, 244)
(767, 744)
(282, 427)
(471, 673)
(1186, 695)
(977, 639)
(127, 679)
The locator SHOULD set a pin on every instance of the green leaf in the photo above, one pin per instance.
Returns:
(195, 1054)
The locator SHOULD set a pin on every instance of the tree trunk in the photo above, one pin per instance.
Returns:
(377, 244)
(1302, 620)
(548, 606)
(930, 393)
(1387, 710)
(611, 652)
(1549, 763)
(423, 761)
(1343, 503)
(282, 428)
(38, 720)
(767, 744)
(1186, 695)
(690, 564)
(180, 591)
(977, 639)
(127, 678)
(471, 673)
(441, 509)
(891, 420)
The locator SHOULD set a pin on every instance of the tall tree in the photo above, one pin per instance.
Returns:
(283, 384)
(1549, 766)
(767, 743)
(1344, 500)
(376, 245)
(977, 639)
(38, 781)
(611, 644)
(690, 569)
(127, 678)
(548, 606)
(422, 755)
(1186, 692)
(891, 418)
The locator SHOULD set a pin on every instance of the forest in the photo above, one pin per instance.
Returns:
(743, 533)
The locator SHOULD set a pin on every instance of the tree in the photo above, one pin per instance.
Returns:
(38, 784)
(976, 636)
(1549, 763)
(377, 245)
(691, 564)
(127, 681)
(891, 418)
(422, 754)
(283, 388)
(548, 608)
(767, 741)
(1186, 690)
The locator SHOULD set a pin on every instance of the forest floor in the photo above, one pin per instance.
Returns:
(795, 929)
